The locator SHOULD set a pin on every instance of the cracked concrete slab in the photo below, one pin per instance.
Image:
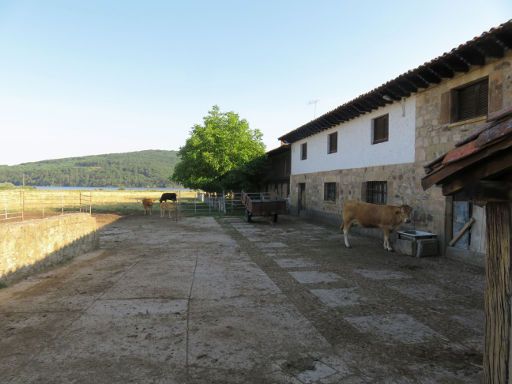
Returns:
(398, 327)
(315, 277)
(382, 274)
(296, 263)
(338, 297)
(419, 291)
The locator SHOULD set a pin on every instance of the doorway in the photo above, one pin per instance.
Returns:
(301, 204)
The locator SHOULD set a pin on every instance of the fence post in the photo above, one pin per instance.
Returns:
(22, 205)
(195, 204)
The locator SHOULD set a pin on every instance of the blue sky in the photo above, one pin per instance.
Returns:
(91, 77)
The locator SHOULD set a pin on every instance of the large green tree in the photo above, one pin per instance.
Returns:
(223, 143)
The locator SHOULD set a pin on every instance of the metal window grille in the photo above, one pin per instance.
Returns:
(304, 151)
(376, 192)
(332, 142)
(330, 191)
(380, 129)
(470, 101)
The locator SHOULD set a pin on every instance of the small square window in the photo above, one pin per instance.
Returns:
(330, 191)
(470, 100)
(375, 192)
(380, 129)
(304, 151)
(332, 143)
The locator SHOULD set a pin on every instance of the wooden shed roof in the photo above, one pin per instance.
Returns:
(476, 52)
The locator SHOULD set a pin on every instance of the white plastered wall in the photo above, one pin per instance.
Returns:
(355, 149)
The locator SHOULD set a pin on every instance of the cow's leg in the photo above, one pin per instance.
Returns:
(346, 228)
(387, 247)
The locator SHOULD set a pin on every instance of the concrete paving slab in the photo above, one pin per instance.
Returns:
(272, 244)
(317, 372)
(245, 332)
(315, 277)
(241, 279)
(394, 327)
(338, 297)
(472, 319)
(420, 291)
(246, 313)
(296, 263)
(382, 274)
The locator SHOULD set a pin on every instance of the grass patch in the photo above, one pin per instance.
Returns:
(3, 285)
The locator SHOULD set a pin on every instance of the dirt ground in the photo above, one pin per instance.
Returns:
(207, 300)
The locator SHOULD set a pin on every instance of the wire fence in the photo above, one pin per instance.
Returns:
(22, 205)
(18, 205)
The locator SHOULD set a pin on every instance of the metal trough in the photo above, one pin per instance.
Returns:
(417, 243)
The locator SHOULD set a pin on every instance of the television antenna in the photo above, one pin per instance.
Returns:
(313, 102)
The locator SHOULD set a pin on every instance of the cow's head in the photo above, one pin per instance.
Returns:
(404, 212)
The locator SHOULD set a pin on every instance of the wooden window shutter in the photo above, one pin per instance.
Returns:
(445, 110)
(471, 101)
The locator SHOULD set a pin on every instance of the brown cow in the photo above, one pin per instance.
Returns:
(148, 205)
(170, 207)
(386, 217)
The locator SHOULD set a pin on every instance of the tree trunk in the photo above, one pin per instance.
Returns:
(497, 295)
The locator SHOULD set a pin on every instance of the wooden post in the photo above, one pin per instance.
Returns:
(23, 203)
(497, 347)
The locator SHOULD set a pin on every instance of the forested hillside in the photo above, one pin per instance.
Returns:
(150, 168)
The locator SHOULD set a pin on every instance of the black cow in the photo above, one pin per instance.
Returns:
(168, 196)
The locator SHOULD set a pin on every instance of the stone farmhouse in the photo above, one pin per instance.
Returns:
(375, 147)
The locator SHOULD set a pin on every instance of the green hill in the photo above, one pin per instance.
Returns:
(150, 168)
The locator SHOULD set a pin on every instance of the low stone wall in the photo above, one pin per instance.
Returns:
(29, 246)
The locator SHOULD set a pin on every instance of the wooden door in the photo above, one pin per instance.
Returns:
(301, 204)
(461, 215)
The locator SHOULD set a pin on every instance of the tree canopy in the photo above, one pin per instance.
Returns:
(223, 143)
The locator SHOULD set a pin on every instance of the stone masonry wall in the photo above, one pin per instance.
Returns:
(404, 187)
(435, 135)
(29, 246)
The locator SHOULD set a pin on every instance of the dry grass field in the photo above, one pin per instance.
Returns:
(43, 203)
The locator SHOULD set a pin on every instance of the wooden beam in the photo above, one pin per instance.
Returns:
(488, 191)
(453, 168)
(457, 63)
(417, 80)
(505, 37)
(472, 56)
(497, 367)
(461, 233)
(492, 47)
(407, 85)
(443, 69)
(485, 170)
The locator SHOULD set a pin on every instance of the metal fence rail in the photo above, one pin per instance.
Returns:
(33, 204)
(21, 205)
